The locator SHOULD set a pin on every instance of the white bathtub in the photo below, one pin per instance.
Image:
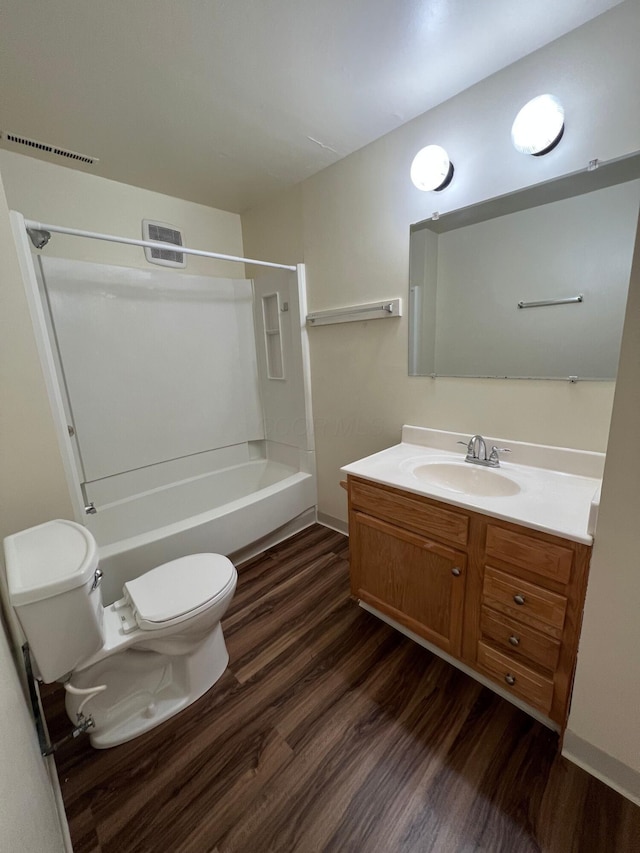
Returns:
(224, 512)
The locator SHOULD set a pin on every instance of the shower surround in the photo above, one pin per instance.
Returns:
(187, 405)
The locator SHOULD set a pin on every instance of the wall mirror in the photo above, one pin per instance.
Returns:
(528, 285)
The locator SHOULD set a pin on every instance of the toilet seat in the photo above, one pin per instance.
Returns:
(176, 591)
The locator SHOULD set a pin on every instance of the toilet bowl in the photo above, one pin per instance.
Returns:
(134, 663)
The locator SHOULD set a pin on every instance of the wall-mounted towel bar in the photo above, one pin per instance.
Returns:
(371, 311)
(540, 303)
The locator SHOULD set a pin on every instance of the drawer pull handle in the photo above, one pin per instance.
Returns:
(519, 598)
(456, 572)
(510, 679)
(515, 641)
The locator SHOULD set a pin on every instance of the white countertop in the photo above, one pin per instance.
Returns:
(559, 487)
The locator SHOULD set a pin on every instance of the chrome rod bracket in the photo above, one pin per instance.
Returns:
(39, 237)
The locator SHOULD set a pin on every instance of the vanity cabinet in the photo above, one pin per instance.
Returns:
(412, 579)
(503, 599)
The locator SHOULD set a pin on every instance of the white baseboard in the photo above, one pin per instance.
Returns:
(52, 772)
(57, 795)
(333, 523)
(613, 772)
(296, 525)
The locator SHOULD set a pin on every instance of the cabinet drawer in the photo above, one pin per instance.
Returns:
(525, 602)
(409, 512)
(519, 640)
(515, 677)
(535, 555)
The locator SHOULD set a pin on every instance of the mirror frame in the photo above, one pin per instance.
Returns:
(595, 177)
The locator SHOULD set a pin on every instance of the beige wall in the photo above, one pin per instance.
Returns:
(62, 196)
(29, 820)
(350, 225)
(32, 483)
(605, 710)
(31, 490)
(34, 488)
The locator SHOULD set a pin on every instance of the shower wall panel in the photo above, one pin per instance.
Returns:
(158, 365)
(286, 410)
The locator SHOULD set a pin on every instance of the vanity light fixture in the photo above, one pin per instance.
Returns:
(539, 126)
(431, 169)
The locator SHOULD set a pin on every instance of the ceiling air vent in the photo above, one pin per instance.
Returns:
(163, 233)
(48, 149)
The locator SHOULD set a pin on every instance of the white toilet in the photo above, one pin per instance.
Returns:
(130, 665)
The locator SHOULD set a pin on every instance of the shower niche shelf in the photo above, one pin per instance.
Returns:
(273, 336)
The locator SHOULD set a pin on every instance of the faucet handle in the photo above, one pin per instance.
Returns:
(494, 456)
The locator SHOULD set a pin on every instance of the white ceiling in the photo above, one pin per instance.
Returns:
(225, 102)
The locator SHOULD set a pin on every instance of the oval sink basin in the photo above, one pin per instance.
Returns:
(466, 478)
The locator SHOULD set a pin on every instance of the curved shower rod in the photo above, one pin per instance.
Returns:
(40, 234)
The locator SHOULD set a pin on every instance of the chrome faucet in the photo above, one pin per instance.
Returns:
(477, 452)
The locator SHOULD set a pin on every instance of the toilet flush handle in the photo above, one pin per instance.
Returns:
(97, 577)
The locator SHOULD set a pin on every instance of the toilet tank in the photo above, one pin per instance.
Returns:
(52, 584)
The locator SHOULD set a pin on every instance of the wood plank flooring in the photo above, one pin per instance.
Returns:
(332, 732)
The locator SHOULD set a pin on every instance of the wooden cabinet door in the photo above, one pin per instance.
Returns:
(417, 582)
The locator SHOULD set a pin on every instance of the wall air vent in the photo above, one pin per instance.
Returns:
(48, 149)
(163, 233)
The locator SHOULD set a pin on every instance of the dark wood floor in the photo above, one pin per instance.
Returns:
(332, 732)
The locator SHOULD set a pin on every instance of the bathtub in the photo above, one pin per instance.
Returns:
(225, 512)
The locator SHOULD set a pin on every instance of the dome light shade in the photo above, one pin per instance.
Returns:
(539, 126)
(431, 168)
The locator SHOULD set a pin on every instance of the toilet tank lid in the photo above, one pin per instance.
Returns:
(179, 587)
(49, 559)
